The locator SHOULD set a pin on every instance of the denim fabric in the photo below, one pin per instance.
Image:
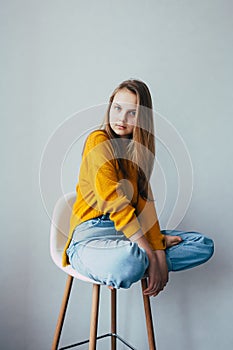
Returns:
(100, 252)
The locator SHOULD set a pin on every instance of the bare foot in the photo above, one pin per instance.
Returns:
(110, 287)
(172, 240)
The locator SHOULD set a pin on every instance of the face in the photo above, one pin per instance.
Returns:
(122, 114)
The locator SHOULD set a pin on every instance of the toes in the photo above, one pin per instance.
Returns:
(176, 241)
(173, 240)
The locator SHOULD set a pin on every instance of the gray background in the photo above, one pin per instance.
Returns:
(59, 57)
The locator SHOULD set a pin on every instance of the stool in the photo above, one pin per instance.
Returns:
(58, 237)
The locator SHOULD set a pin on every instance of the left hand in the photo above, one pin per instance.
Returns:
(159, 267)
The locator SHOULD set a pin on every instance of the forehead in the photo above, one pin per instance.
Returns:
(125, 98)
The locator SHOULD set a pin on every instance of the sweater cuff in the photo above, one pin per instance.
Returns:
(157, 243)
(136, 236)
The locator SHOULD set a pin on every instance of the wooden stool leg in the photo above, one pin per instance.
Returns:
(94, 316)
(113, 317)
(149, 322)
(62, 312)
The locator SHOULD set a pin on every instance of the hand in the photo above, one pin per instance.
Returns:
(157, 270)
(157, 273)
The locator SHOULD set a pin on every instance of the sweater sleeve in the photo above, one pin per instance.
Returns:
(148, 219)
(101, 187)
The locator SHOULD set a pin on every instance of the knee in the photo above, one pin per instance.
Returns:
(130, 267)
(204, 247)
(209, 247)
(195, 249)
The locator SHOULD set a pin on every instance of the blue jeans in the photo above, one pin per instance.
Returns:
(105, 255)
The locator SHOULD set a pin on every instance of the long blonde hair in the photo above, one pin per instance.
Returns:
(141, 145)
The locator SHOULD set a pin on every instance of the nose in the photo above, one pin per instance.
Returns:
(123, 116)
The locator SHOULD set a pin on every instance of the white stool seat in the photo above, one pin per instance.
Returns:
(59, 234)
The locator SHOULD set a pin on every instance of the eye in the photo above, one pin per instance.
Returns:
(132, 113)
(117, 108)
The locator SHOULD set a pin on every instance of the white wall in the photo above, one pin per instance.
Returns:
(59, 57)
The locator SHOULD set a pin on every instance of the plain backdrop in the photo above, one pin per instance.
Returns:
(62, 57)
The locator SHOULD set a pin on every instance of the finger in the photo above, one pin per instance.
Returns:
(152, 287)
(150, 291)
(164, 283)
(151, 284)
(153, 291)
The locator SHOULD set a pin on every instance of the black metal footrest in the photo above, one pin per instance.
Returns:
(99, 337)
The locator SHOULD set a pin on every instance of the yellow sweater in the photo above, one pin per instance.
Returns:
(102, 189)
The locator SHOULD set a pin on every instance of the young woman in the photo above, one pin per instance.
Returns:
(115, 237)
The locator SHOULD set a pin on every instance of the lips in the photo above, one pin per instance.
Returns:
(121, 127)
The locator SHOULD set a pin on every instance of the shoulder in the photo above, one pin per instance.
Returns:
(96, 137)
(99, 141)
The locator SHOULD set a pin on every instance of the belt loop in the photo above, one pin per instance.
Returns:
(105, 216)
